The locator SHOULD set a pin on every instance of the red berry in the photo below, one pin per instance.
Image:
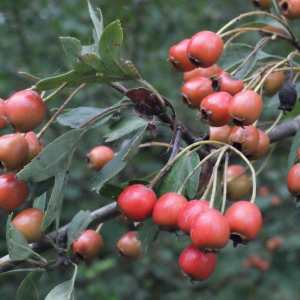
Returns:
(178, 57)
(35, 146)
(210, 231)
(224, 82)
(244, 139)
(13, 192)
(14, 151)
(219, 134)
(205, 48)
(195, 90)
(202, 72)
(293, 180)
(274, 243)
(290, 9)
(88, 246)
(129, 246)
(262, 147)
(166, 210)
(214, 109)
(136, 202)
(238, 182)
(25, 110)
(2, 114)
(262, 4)
(245, 220)
(189, 212)
(245, 107)
(98, 157)
(197, 265)
(273, 83)
(29, 223)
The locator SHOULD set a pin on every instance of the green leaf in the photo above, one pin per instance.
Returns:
(111, 191)
(78, 224)
(98, 22)
(127, 124)
(63, 291)
(79, 115)
(147, 233)
(17, 245)
(109, 50)
(40, 202)
(55, 203)
(39, 188)
(294, 150)
(118, 163)
(27, 289)
(4, 274)
(178, 173)
(54, 158)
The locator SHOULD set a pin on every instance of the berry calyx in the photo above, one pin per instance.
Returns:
(136, 202)
(29, 223)
(129, 246)
(13, 192)
(88, 246)
(290, 9)
(224, 82)
(25, 110)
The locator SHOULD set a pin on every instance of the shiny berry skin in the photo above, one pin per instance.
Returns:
(262, 147)
(205, 48)
(88, 246)
(35, 146)
(210, 231)
(14, 151)
(224, 82)
(293, 180)
(245, 107)
(25, 110)
(98, 157)
(189, 212)
(219, 134)
(245, 221)
(262, 4)
(197, 265)
(238, 182)
(195, 90)
(202, 72)
(13, 192)
(136, 202)
(29, 223)
(166, 210)
(214, 109)
(178, 57)
(244, 139)
(2, 114)
(290, 9)
(273, 83)
(129, 246)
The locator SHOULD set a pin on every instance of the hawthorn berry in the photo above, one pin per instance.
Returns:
(210, 230)
(245, 107)
(178, 57)
(224, 82)
(129, 246)
(245, 220)
(13, 192)
(290, 9)
(205, 48)
(273, 30)
(88, 246)
(25, 110)
(219, 134)
(29, 223)
(214, 109)
(238, 182)
(273, 83)
(189, 212)
(195, 90)
(293, 180)
(262, 4)
(166, 210)
(136, 202)
(98, 157)
(202, 72)
(244, 139)
(197, 265)
(2, 114)
(14, 151)
(274, 243)
(262, 146)
(35, 146)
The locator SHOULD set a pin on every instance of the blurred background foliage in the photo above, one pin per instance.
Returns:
(29, 42)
